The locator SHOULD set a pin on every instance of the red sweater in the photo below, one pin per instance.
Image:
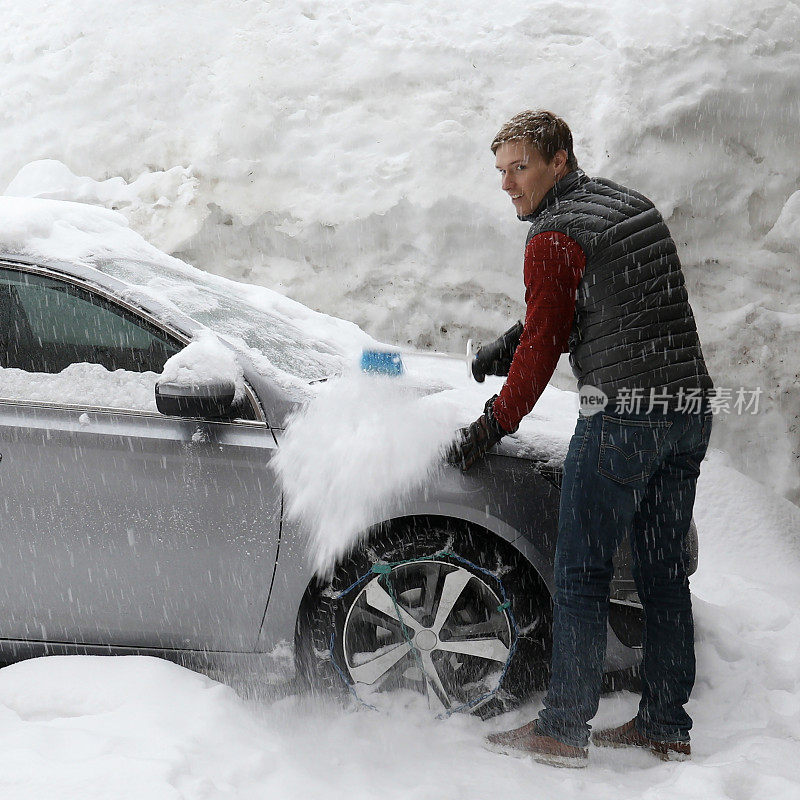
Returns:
(554, 264)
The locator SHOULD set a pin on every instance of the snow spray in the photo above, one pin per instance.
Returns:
(365, 441)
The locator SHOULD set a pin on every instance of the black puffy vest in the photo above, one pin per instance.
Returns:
(634, 327)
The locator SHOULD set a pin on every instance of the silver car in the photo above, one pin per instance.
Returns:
(128, 530)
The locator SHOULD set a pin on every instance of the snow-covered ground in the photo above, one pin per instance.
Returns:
(338, 151)
(134, 727)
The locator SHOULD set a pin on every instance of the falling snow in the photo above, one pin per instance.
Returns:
(337, 153)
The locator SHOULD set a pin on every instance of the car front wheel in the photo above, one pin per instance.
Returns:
(450, 612)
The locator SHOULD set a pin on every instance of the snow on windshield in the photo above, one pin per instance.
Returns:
(293, 339)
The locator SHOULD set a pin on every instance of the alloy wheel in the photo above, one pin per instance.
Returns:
(430, 625)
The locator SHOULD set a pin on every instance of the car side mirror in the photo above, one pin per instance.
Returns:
(205, 400)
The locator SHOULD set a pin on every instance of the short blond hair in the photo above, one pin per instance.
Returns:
(544, 130)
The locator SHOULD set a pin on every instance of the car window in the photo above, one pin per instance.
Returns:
(47, 325)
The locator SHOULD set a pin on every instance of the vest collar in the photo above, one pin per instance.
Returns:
(569, 182)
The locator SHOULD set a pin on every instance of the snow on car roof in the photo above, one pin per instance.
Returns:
(285, 339)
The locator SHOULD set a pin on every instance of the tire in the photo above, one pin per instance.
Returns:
(458, 633)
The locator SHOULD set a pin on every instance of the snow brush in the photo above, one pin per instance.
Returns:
(381, 362)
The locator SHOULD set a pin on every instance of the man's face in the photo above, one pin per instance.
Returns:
(527, 177)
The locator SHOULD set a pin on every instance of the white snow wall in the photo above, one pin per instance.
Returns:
(339, 151)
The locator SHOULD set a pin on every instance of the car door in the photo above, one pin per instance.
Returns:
(121, 526)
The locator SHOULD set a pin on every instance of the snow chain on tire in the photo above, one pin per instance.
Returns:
(385, 568)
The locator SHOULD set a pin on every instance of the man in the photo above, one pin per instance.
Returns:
(603, 281)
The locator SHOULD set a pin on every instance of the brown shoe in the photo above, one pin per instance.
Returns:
(628, 736)
(525, 741)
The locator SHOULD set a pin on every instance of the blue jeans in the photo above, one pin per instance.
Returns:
(625, 475)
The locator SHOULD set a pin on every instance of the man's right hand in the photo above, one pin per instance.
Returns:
(474, 441)
(495, 357)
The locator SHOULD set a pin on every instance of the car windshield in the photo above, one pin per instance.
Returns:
(297, 341)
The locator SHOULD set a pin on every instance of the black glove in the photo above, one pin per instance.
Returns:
(473, 442)
(495, 358)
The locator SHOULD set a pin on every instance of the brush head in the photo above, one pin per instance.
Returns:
(382, 362)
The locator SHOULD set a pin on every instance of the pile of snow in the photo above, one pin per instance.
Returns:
(69, 231)
(174, 188)
(132, 727)
(82, 727)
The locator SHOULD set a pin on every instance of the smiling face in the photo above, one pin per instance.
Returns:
(527, 177)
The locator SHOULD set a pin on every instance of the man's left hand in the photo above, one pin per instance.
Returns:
(473, 442)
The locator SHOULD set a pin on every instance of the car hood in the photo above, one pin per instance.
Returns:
(543, 435)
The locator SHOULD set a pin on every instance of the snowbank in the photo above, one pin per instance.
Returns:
(338, 152)
(83, 727)
(131, 727)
